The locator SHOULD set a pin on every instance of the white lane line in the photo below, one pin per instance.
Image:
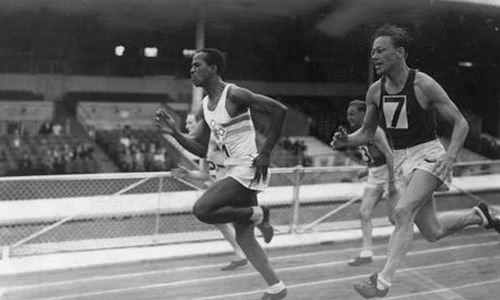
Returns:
(461, 287)
(230, 277)
(430, 284)
(364, 276)
(181, 269)
(210, 266)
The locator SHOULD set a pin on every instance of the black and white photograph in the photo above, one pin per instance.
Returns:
(249, 149)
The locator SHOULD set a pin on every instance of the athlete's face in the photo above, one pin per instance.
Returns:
(191, 124)
(355, 117)
(384, 54)
(200, 70)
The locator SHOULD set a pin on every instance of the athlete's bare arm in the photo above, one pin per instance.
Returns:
(431, 95)
(196, 144)
(380, 141)
(276, 113)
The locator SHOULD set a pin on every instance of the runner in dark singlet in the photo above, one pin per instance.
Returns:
(408, 101)
(378, 157)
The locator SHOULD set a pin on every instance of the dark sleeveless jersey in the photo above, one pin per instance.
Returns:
(372, 155)
(404, 121)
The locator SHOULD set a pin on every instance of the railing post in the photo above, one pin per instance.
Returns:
(157, 218)
(5, 253)
(295, 200)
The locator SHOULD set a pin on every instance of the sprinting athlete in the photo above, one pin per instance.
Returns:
(213, 162)
(226, 112)
(378, 157)
(407, 100)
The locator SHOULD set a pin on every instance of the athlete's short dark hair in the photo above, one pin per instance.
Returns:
(360, 105)
(215, 57)
(400, 37)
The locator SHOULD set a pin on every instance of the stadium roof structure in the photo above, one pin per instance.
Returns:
(333, 17)
(311, 30)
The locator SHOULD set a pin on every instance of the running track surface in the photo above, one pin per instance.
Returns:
(463, 266)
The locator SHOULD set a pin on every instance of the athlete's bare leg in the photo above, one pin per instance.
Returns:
(417, 193)
(254, 252)
(371, 196)
(417, 205)
(229, 201)
(434, 225)
(229, 234)
(226, 201)
(370, 199)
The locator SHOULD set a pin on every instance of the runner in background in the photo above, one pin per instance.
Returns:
(377, 155)
(213, 162)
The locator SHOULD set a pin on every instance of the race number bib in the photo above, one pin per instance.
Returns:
(365, 154)
(395, 113)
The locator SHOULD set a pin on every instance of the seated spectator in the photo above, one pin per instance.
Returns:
(67, 155)
(133, 140)
(57, 129)
(46, 128)
(91, 132)
(87, 151)
(47, 162)
(159, 159)
(78, 160)
(137, 159)
(16, 141)
(125, 140)
(149, 157)
(58, 160)
(25, 164)
(287, 144)
(126, 160)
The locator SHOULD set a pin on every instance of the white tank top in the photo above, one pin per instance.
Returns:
(235, 136)
(215, 159)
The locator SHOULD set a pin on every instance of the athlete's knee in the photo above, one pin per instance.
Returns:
(403, 215)
(245, 240)
(431, 234)
(365, 214)
(202, 213)
(431, 237)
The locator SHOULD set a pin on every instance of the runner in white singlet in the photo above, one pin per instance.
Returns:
(213, 163)
(226, 115)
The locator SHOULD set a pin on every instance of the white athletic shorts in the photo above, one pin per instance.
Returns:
(422, 157)
(377, 178)
(244, 174)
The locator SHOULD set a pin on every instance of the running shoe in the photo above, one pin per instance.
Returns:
(234, 264)
(269, 296)
(369, 288)
(492, 220)
(265, 227)
(360, 260)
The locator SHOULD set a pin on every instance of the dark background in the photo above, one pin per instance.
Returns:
(273, 40)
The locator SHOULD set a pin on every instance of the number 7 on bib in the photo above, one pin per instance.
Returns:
(395, 113)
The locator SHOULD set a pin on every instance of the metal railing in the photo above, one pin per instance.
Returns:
(44, 214)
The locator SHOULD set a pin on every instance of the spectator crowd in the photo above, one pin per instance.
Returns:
(50, 152)
(131, 154)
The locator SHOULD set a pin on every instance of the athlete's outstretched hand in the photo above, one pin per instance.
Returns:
(164, 121)
(181, 172)
(340, 138)
(261, 165)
